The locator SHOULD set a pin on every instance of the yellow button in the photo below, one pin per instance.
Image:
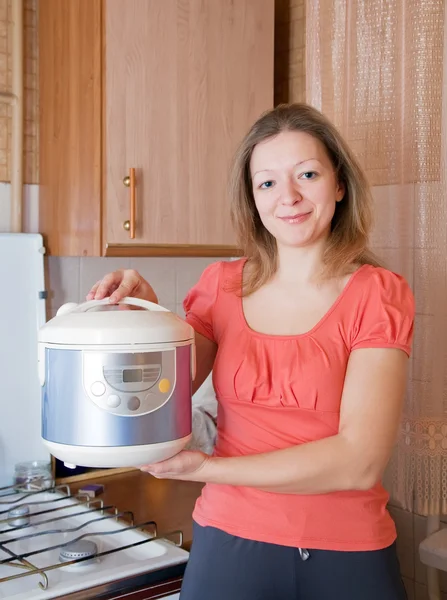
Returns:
(164, 386)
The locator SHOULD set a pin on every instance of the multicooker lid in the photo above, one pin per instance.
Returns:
(131, 321)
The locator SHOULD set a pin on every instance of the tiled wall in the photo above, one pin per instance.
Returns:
(290, 40)
(31, 106)
(70, 279)
(411, 531)
(394, 242)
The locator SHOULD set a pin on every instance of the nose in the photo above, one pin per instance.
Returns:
(291, 194)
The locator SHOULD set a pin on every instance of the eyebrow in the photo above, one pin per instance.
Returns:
(297, 165)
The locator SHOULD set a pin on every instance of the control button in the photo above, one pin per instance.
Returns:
(153, 402)
(164, 386)
(133, 403)
(98, 388)
(113, 401)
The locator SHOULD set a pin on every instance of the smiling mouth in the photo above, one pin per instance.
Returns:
(296, 218)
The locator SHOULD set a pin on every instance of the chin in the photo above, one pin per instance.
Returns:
(300, 239)
(294, 242)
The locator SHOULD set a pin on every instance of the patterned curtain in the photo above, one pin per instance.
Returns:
(378, 69)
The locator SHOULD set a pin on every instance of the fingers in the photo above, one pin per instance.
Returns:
(129, 284)
(92, 292)
(117, 285)
(108, 284)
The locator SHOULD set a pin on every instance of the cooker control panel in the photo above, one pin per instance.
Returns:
(129, 384)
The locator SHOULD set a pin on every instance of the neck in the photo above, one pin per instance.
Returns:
(300, 265)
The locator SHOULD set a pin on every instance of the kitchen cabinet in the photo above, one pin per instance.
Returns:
(163, 590)
(143, 103)
(169, 503)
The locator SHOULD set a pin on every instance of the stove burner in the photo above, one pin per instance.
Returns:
(78, 549)
(19, 516)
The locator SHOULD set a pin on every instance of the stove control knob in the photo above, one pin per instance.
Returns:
(113, 401)
(133, 403)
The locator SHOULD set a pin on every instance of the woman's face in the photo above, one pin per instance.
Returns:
(295, 188)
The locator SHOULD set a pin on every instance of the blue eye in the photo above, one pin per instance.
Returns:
(266, 185)
(309, 175)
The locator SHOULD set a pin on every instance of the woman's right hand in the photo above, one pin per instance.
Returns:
(122, 283)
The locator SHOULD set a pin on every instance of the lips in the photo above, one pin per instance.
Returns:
(298, 218)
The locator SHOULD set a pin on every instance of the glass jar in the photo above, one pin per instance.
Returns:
(33, 476)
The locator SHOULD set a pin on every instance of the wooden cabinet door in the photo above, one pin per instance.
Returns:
(70, 46)
(184, 80)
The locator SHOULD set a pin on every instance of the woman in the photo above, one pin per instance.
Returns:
(308, 338)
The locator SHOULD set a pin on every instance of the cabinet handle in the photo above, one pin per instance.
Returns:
(130, 181)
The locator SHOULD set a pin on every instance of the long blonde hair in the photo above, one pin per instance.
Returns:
(348, 241)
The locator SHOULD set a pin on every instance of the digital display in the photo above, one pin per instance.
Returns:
(132, 376)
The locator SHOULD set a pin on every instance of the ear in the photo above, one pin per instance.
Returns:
(340, 191)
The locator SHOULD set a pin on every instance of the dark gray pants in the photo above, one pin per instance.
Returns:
(226, 567)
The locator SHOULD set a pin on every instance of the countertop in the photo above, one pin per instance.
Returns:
(169, 503)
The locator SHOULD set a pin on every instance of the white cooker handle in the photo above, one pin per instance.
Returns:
(77, 308)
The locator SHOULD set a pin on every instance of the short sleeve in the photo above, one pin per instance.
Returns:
(201, 299)
(386, 314)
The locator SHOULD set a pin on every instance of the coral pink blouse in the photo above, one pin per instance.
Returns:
(277, 391)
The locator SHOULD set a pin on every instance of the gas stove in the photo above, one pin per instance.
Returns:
(55, 545)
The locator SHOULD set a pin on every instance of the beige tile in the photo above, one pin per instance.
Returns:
(4, 45)
(5, 207)
(30, 19)
(420, 592)
(4, 28)
(62, 280)
(3, 131)
(297, 34)
(297, 89)
(297, 13)
(420, 533)
(409, 587)
(94, 269)
(31, 65)
(3, 10)
(30, 82)
(405, 540)
(3, 156)
(189, 271)
(420, 569)
(296, 65)
(160, 273)
(31, 209)
(179, 310)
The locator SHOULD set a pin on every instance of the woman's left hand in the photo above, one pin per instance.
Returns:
(187, 466)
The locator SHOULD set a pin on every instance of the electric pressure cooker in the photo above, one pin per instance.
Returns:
(116, 383)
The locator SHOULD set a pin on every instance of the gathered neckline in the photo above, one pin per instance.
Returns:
(320, 322)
